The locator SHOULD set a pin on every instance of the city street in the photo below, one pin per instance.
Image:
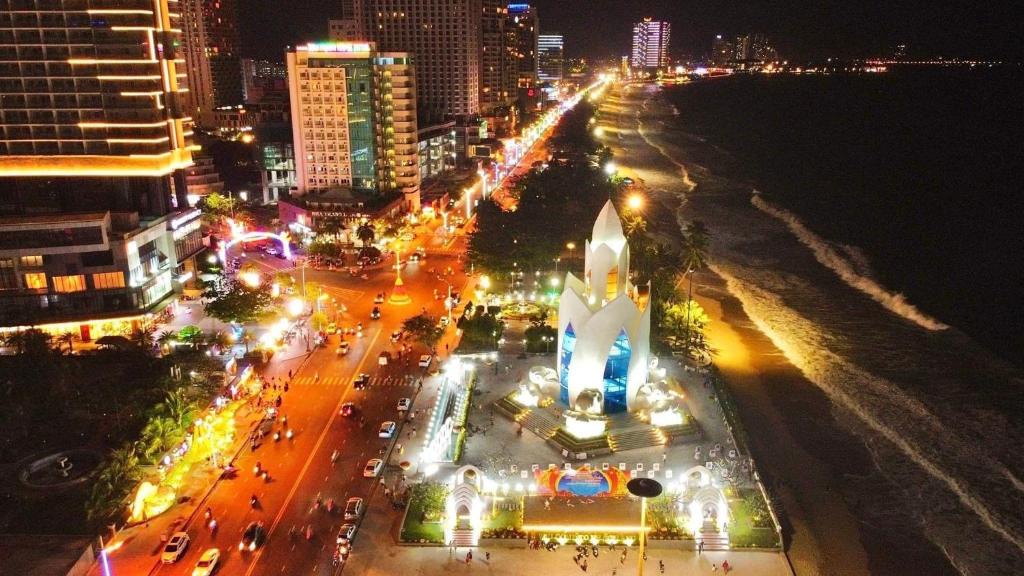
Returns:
(300, 469)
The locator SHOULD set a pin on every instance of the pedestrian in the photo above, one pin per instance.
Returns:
(487, 556)
(469, 557)
(714, 567)
(700, 547)
(661, 566)
(725, 567)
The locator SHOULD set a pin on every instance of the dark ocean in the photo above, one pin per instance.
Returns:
(869, 226)
(919, 171)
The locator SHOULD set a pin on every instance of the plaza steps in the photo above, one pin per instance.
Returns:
(713, 539)
(633, 438)
(540, 422)
(463, 538)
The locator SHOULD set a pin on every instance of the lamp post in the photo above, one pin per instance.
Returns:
(644, 488)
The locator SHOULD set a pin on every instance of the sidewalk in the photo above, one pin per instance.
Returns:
(138, 547)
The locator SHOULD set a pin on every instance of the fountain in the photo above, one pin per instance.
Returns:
(59, 470)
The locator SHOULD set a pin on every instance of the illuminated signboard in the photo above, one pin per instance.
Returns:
(335, 47)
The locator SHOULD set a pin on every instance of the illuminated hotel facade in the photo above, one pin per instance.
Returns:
(353, 115)
(94, 138)
(650, 45)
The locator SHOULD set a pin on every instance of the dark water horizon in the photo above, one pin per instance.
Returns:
(916, 176)
(867, 226)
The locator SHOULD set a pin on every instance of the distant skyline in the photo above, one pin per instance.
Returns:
(798, 28)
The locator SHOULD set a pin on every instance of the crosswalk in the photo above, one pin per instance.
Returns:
(375, 381)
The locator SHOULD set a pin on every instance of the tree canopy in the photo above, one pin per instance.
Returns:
(424, 329)
(233, 301)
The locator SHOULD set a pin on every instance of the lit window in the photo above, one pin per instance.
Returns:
(69, 283)
(35, 281)
(108, 280)
(29, 261)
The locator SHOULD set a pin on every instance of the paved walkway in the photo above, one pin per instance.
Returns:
(419, 561)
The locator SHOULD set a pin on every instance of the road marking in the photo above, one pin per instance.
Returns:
(305, 467)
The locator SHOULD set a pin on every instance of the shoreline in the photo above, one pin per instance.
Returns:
(810, 460)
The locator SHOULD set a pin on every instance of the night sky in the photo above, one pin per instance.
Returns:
(799, 28)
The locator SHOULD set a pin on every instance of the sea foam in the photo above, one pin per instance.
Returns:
(844, 268)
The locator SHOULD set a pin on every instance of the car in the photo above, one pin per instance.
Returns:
(361, 381)
(379, 298)
(273, 251)
(444, 321)
(373, 468)
(207, 563)
(396, 335)
(387, 429)
(174, 548)
(348, 409)
(253, 537)
(414, 257)
(404, 404)
(425, 361)
(354, 507)
(332, 328)
(347, 533)
(342, 349)
(375, 313)
(627, 181)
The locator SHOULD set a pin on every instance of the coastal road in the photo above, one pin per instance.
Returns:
(301, 468)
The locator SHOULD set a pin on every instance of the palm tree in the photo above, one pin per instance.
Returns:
(179, 409)
(113, 484)
(144, 337)
(158, 436)
(165, 338)
(694, 257)
(366, 234)
(69, 339)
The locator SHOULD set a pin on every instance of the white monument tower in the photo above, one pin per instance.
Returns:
(604, 327)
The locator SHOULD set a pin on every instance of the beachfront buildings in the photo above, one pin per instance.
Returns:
(443, 36)
(209, 45)
(95, 230)
(524, 30)
(650, 45)
(353, 112)
(604, 326)
(550, 57)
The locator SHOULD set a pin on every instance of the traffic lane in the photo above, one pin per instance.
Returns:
(340, 480)
(283, 459)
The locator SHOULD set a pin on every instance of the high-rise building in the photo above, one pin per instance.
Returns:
(353, 113)
(211, 48)
(761, 49)
(444, 36)
(550, 58)
(344, 30)
(497, 62)
(95, 230)
(722, 51)
(743, 48)
(524, 30)
(650, 44)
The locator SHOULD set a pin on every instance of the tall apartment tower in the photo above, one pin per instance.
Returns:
(347, 28)
(444, 36)
(650, 44)
(94, 136)
(353, 115)
(550, 57)
(498, 71)
(210, 45)
(524, 26)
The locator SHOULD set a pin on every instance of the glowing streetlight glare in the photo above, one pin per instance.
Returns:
(635, 202)
(212, 259)
(485, 282)
(609, 168)
(296, 306)
(554, 282)
(251, 278)
(599, 131)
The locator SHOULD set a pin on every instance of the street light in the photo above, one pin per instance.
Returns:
(635, 202)
(644, 488)
(610, 168)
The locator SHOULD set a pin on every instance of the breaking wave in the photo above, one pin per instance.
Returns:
(845, 269)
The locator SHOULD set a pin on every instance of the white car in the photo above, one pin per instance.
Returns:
(207, 563)
(353, 508)
(273, 251)
(425, 361)
(373, 468)
(404, 404)
(387, 429)
(342, 349)
(174, 548)
(347, 533)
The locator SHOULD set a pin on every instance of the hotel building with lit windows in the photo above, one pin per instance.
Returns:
(95, 230)
(353, 113)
